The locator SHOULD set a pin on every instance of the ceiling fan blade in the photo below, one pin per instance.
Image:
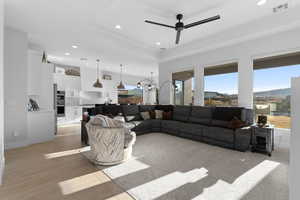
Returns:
(203, 21)
(159, 24)
(178, 37)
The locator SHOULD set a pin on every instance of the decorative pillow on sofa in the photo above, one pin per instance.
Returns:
(167, 115)
(159, 114)
(152, 114)
(145, 115)
(236, 123)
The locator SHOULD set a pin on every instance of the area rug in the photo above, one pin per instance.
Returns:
(172, 168)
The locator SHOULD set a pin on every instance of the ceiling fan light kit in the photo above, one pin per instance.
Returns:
(179, 26)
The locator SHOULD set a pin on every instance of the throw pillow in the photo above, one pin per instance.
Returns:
(158, 114)
(130, 118)
(236, 123)
(145, 115)
(152, 114)
(167, 115)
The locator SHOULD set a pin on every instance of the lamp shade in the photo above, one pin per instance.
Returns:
(44, 57)
(97, 84)
(139, 85)
(121, 86)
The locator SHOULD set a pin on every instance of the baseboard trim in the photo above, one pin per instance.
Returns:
(13, 145)
(2, 166)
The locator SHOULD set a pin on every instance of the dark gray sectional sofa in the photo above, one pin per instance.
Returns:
(205, 124)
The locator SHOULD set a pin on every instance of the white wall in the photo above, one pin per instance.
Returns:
(15, 88)
(1, 93)
(40, 80)
(280, 43)
(295, 140)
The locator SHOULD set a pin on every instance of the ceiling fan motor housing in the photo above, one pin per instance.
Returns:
(179, 26)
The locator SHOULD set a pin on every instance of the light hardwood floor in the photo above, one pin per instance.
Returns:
(56, 170)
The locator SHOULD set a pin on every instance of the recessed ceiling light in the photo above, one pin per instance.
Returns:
(158, 43)
(74, 46)
(261, 2)
(67, 54)
(118, 27)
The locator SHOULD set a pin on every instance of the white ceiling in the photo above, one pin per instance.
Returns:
(56, 25)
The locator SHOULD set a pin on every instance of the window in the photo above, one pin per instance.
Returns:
(131, 95)
(272, 94)
(179, 92)
(221, 89)
(184, 87)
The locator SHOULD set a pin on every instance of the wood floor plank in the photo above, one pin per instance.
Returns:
(56, 170)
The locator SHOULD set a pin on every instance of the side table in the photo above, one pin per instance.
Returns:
(262, 139)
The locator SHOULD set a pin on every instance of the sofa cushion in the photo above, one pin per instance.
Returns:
(181, 113)
(131, 113)
(155, 123)
(142, 126)
(220, 123)
(227, 113)
(146, 108)
(112, 109)
(201, 115)
(164, 107)
(171, 124)
(192, 129)
(221, 134)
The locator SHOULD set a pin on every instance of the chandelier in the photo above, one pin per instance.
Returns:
(149, 83)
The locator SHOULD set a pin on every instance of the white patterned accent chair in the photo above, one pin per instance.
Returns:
(111, 142)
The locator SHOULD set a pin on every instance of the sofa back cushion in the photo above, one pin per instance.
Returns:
(99, 110)
(131, 113)
(112, 109)
(165, 108)
(146, 108)
(181, 113)
(201, 115)
(227, 113)
(222, 116)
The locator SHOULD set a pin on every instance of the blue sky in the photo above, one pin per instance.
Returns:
(265, 79)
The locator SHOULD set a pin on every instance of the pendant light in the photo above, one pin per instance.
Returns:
(121, 85)
(139, 85)
(44, 57)
(97, 84)
(150, 86)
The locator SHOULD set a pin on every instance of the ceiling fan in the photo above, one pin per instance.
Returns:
(179, 26)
